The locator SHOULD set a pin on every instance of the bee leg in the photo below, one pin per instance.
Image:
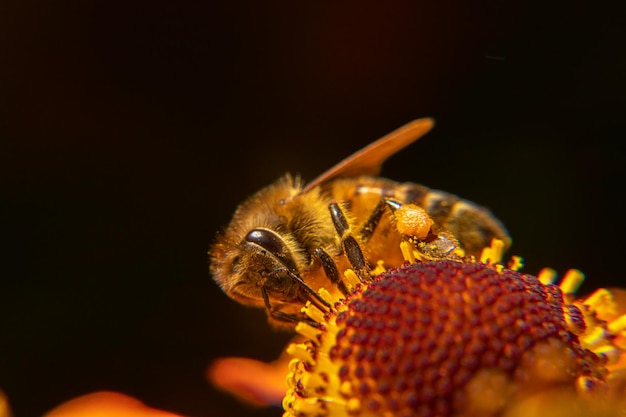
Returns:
(312, 295)
(431, 245)
(370, 225)
(350, 245)
(284, 317)
(331, 271)
(392, 204)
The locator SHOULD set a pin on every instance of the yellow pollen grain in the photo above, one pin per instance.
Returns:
(407, 252)
(307, 330)
(547, 276)
(617, 325)
(571, 281)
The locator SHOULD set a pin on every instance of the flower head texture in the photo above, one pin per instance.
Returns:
(451, 338)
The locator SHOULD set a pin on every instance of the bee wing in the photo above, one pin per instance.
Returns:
(368, 160)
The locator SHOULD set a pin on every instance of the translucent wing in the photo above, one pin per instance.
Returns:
(368, 160)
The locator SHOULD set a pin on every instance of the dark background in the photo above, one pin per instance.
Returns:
(131, 130)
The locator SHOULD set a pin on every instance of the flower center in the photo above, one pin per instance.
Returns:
(449, 338)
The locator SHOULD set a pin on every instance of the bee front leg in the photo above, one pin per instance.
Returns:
(331, 271)
(310, 294)
(416, 225)
(350, 246)
(370, 225)
(284, 317)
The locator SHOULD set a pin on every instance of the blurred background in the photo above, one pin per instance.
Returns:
(130, 131)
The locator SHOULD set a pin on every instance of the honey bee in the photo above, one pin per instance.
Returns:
(290, 239)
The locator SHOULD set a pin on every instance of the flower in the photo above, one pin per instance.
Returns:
(106, 404)
(96, 404)
(471, 338)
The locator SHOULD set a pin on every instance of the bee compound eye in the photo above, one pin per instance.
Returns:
(266, 239)
(273, 244)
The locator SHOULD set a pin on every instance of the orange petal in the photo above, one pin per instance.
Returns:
(257, 383)
(5, 410)
(106, 404)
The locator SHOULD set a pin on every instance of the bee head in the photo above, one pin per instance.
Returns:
(261, 260)
(257, 250)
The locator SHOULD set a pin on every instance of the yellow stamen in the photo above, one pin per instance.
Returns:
(407, 252)
(547, 276)
(352, 279)
(602, 303)
(380, 268)
(516, 263)
(313, 381)
(313, 312)
(300, 352)
(492, 254)
(327, 296)
(595, 338)
(617, 325)
(571, 281)
(307, 330)
(599, 297)
(335, 408)
(303, 406)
